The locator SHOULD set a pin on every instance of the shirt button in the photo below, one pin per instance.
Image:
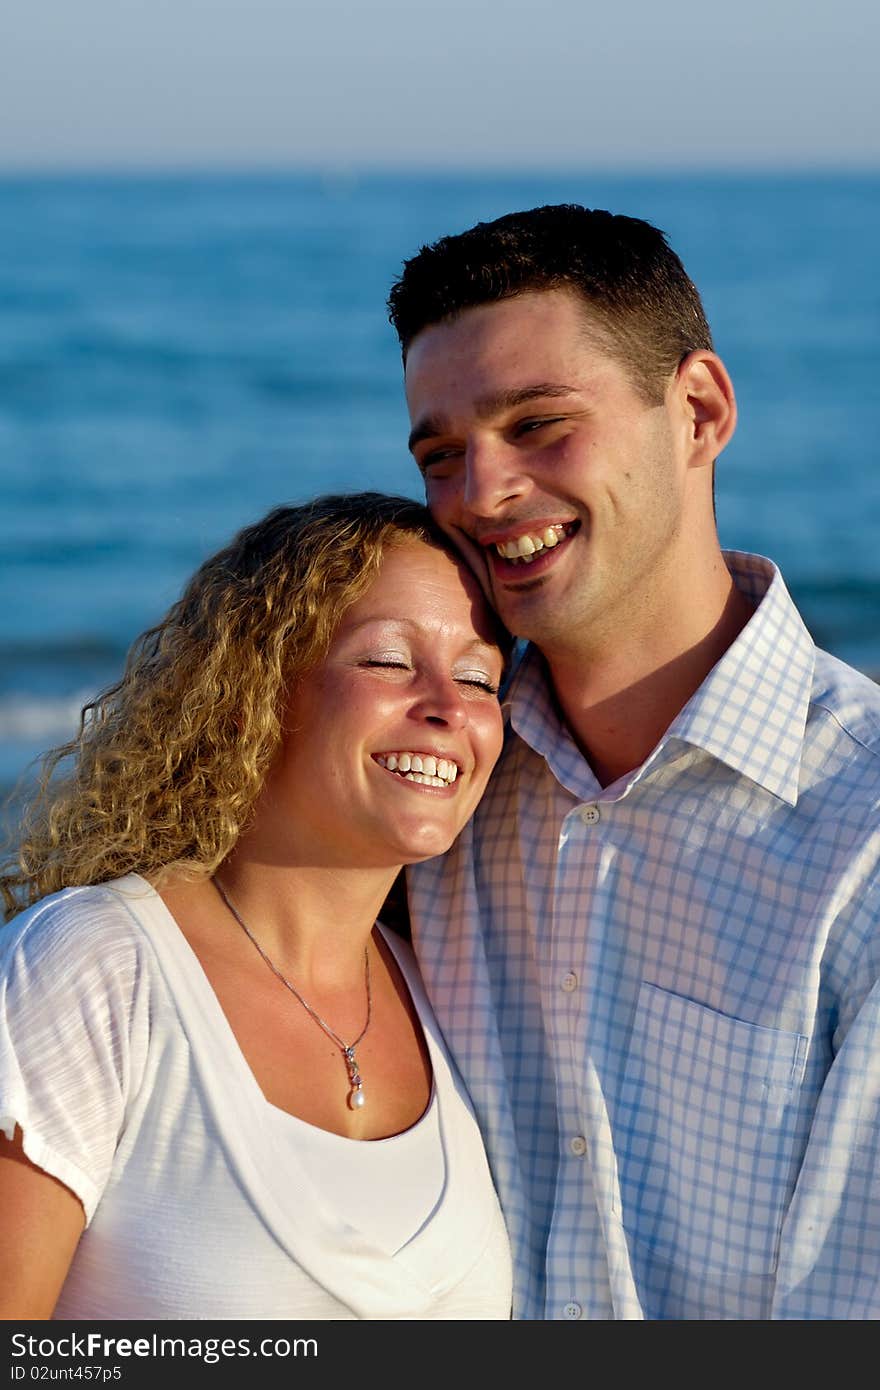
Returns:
(572, 1310)
(590, 815)
(579, 1145)
(569, 982)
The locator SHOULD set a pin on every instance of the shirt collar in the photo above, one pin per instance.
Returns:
(750, 712)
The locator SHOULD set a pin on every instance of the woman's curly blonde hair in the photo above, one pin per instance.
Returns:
(168, 763)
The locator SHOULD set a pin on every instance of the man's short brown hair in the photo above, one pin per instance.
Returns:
(639, 299)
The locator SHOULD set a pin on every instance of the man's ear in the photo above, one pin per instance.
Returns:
(705, 395)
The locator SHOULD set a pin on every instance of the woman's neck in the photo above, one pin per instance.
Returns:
(312, 921)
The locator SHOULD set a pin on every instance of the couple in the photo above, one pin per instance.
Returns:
(651, 949)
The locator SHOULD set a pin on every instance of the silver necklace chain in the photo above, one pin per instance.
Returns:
(356, 1098)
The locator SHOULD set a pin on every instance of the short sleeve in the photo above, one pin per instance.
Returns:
(74, 1027)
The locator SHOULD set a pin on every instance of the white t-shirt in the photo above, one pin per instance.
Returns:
(202, 1200)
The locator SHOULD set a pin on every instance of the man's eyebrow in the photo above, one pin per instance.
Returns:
(486, 406)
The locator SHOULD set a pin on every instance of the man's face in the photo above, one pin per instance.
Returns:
(561, 484)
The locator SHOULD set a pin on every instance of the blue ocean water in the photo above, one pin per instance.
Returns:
(179, 354)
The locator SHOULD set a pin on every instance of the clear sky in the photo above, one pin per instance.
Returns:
(457, 83)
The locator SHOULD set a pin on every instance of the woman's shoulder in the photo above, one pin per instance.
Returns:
(98, 923)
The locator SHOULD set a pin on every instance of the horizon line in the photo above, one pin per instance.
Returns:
(349, 171)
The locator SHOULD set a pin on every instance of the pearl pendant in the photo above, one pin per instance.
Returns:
(356, 1094)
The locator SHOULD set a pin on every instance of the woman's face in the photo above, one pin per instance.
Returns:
(411, 677)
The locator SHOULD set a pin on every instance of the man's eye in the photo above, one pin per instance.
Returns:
(436, 458)
(530, 426)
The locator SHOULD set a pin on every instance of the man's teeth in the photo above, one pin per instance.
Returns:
(525, 548)
(421, 767)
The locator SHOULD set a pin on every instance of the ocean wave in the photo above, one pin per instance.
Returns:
(64, 647)
(49, 718)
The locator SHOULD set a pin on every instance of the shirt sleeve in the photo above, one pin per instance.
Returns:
(829, 1261)
(73, 1031)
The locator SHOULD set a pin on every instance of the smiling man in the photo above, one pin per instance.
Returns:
(655, 949)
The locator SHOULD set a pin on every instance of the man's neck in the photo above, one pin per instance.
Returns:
(619, 702)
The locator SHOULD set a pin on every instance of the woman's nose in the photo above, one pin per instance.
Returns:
(440, 701)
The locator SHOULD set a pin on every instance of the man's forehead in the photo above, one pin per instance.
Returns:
(560, 318)
(545, 342)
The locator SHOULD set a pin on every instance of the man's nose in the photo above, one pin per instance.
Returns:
(493, 477)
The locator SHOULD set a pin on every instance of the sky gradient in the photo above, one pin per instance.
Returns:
(132, 84)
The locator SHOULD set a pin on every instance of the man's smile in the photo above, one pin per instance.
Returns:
(527, 550)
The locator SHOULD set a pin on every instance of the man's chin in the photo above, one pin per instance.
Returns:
(524, 608)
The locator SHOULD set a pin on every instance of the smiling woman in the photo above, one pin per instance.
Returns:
(201, 1018)
(411, 678)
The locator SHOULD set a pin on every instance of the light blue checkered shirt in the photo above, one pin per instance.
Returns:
(663, 994)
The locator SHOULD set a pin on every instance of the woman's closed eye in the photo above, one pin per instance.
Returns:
(479, 680)
(398, 663)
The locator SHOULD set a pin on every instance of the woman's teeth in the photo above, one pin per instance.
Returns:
(420, 767)
(525, 548)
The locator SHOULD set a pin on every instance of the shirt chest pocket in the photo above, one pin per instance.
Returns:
(708, 1135)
